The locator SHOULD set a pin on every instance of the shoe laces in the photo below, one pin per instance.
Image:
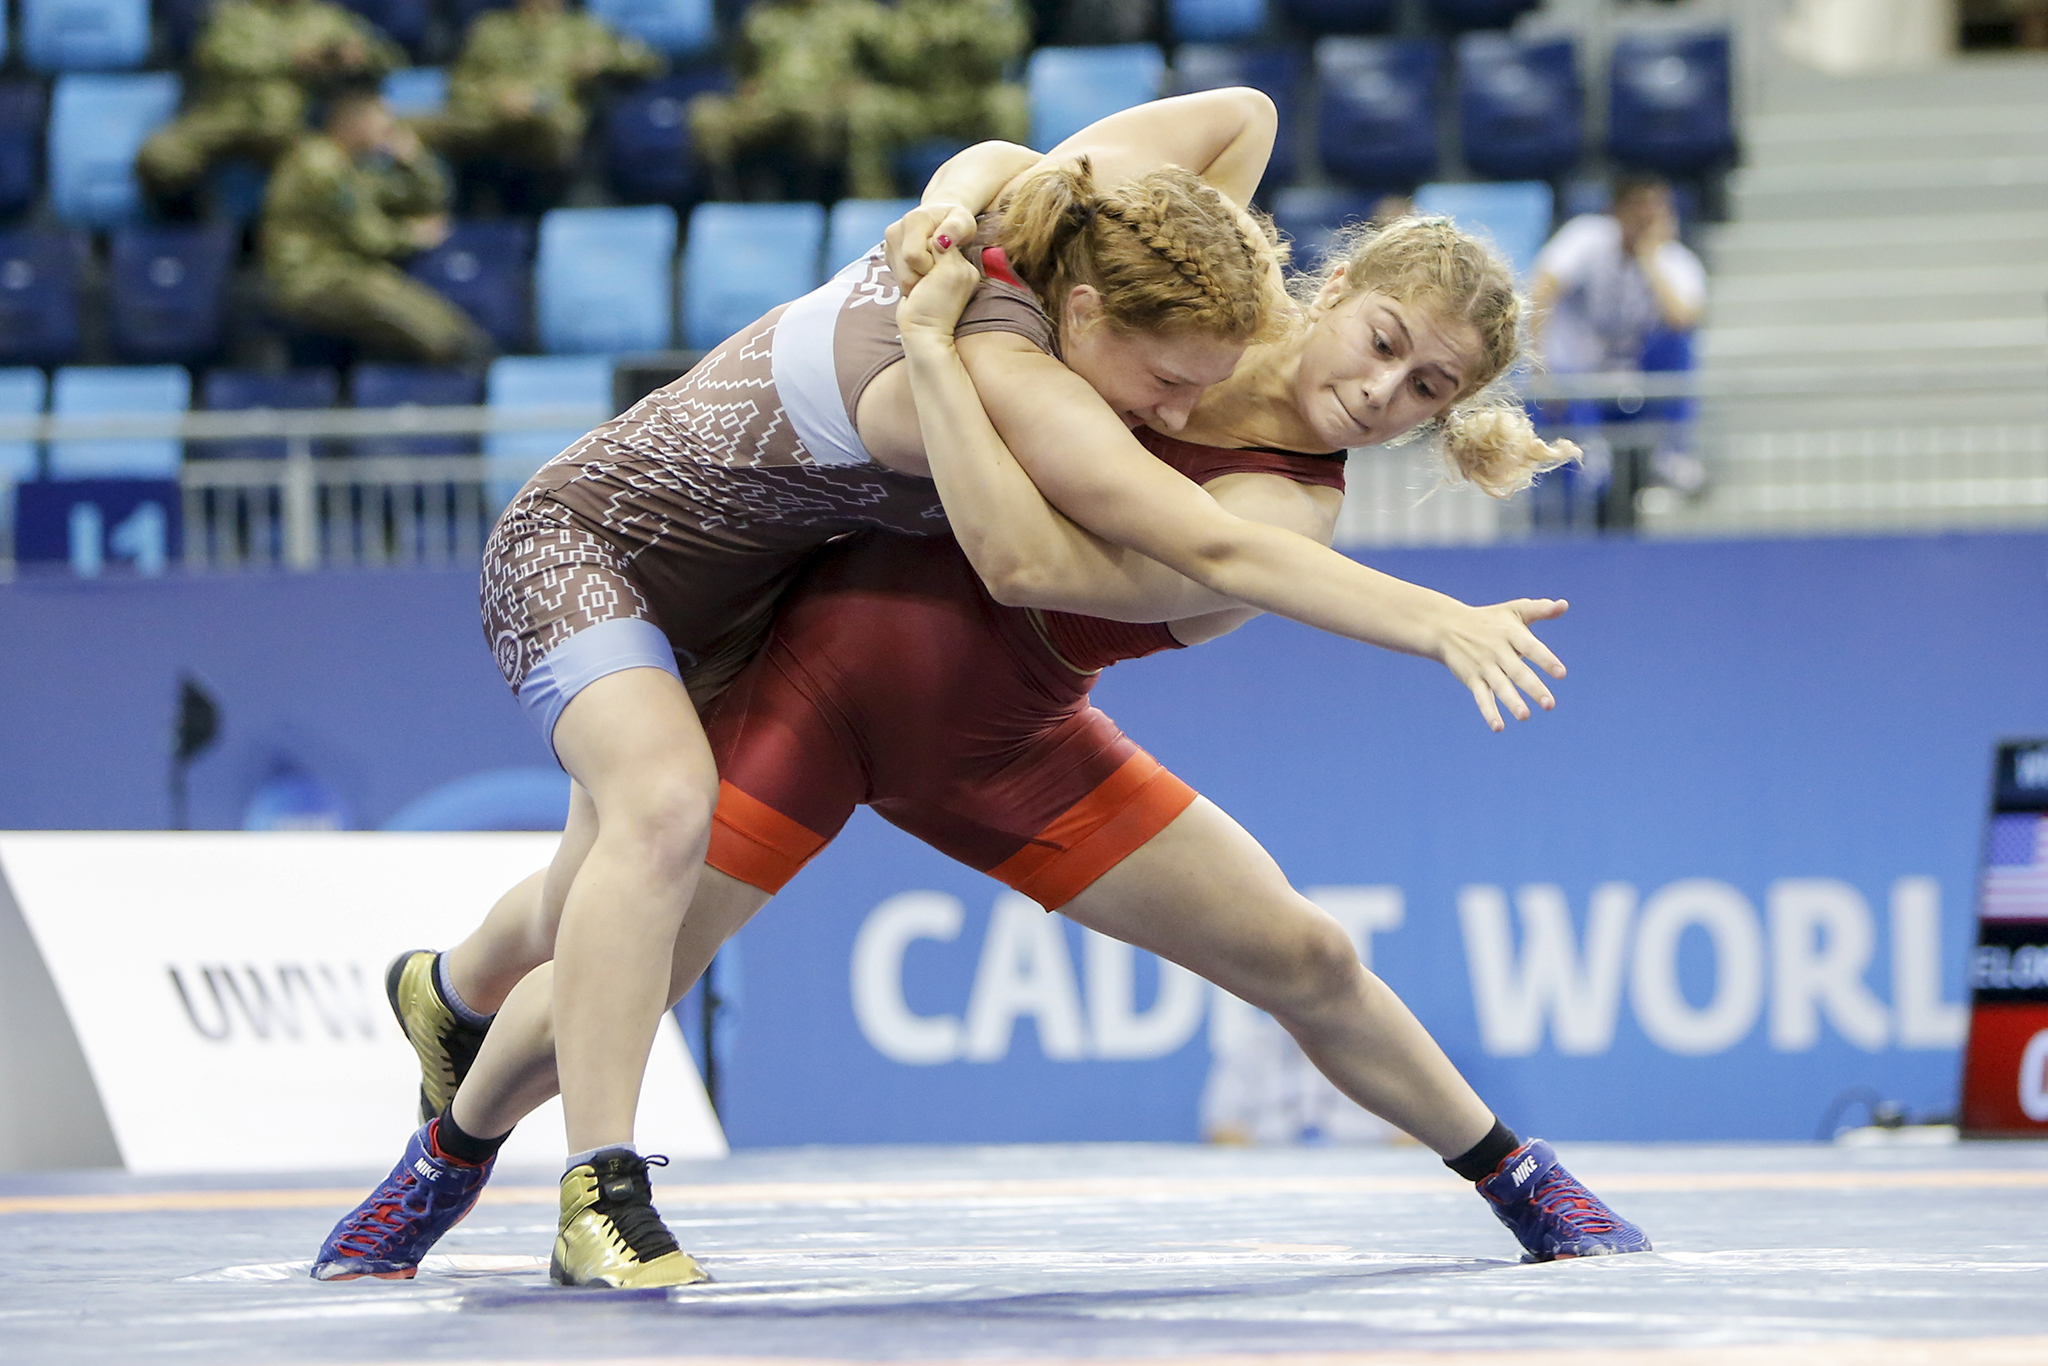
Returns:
(1560, 1196)
(634, 1216)
(378, 1221)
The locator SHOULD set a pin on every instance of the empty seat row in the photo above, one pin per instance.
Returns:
(113, 35)
(513, 384)
(1211, 21)
(1520, 101)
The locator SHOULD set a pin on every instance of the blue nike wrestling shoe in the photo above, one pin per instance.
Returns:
(385, 1236)
(1550, 1213)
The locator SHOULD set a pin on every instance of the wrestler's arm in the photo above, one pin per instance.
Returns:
(1224, 136)
(1085, 464)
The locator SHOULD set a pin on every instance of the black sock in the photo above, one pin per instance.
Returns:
(1484, 1157)
(451, 1141)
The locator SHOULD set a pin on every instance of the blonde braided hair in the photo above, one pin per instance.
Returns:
(1460, 279)
(1166, 252)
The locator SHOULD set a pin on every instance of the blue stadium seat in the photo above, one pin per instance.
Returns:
(181, 21)
(169, 291)
(1378, 126)
(647, 152)
(84, 35)
(485, 267)
(93, 390)
(23, 391)
(21, 137)
(1518, 106)
(406, 21)
(235, 190)
(601, 282)
(1514, 214)
(1310, 217)
(237, 391)
(415, 91)
(399, 386)
(1072, 87)
(97, 124)
(1668, 102)
(676, 27)
(917, 163)
(525, 382)
(1462, 15)
(1215, 21)
(1275, 70)
(742, 260)
(461, 12)
(856, 225)
(1341, 16)
(39, 287)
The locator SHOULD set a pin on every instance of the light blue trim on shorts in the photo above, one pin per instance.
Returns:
(582, 659)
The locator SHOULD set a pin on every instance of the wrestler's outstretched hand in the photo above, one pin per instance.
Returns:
(934, 305)
(914, 242)
(1490, 650)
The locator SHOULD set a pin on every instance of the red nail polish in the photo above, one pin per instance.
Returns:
(945, 242)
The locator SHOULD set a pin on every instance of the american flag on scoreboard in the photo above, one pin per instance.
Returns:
(2016, 868)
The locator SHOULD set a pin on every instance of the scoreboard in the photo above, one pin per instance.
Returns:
(2005, 1066)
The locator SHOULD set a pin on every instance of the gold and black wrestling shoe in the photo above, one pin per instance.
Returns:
(610, 1234)
(446, 1045)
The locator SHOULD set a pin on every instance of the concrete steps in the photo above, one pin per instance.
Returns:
(1893, 229)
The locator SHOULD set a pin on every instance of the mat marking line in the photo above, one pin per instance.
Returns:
(1049, 1191)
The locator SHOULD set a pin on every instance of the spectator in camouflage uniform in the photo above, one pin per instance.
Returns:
(517, 91)
(342, 206)
(942, 65)
(257, 65)
(806, 63)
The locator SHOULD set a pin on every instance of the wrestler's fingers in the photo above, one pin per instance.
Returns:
(1532, 648)
(1504, 688)
(1527, 680)
(1484, 697)
(1539, 609)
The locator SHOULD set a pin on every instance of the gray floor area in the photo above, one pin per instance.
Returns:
(1764, 1254)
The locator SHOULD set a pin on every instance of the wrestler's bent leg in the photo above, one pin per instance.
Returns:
(519, 933)
(1203, 893)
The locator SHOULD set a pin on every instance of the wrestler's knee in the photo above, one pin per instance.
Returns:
(1314, 967)
(665, 817)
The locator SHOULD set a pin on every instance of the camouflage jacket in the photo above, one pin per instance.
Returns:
(951, 43)
(325, 208)
(251, 41)
(811, 47)
(553, 55)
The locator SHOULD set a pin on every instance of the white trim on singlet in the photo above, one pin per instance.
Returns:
(806, 372)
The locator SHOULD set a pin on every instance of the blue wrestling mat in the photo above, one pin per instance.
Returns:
(1766, 1255)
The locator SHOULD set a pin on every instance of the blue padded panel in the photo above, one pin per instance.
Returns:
(414, 91)
(1519, 106)
(601, 282)
(516, 382)
(1378, 126)
(82, 390)
(1668, 101)
(1215, 21)
(21, 139)
(39, 295)
(647, 151)
(485, 267)
(744, 259)
(677, 27)
(856, 225)
(1311, 217)
(168, 288)
(240, 390)
(1277, 71)
(84, 35)
(1514, 215)
(1072, 87)
(406, 21)
(398, 386)
(97, 124)
(23, 391)
(1341, 16)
